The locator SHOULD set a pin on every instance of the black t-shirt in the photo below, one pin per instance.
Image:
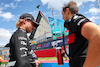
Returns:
(77, 43)
(20, 49)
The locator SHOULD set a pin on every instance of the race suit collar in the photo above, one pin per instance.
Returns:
(22, 30)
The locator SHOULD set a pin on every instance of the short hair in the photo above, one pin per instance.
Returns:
(72, 6)
(18, 23)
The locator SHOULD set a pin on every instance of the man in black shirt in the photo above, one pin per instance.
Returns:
(83, 39)
(20, 49)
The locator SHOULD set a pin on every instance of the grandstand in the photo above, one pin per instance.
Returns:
(46, 31)
(45, 43)
(4, 53)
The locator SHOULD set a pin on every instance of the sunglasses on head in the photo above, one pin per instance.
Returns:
(64, 9)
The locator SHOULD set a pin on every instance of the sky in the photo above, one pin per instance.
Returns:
(10, 10)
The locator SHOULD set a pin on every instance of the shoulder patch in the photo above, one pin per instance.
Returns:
(77, 17)
(80, 21)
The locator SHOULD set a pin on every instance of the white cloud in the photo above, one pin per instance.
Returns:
(34, 13)
(13, 5)
(6, 15)
(1, 9)
(83, 6)
(30, 0)
(3, 43)
(10, 5)
(47, 14)
(1, 3)
(0, 12)
(91, 5)
(4, 36)
(93, 11)
(93, 18)
(57, 4)
(19, 0)
(12, 31)
(80, 2)
(6, 5)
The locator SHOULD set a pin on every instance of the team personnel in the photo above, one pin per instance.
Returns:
(20, 49)
(83, 39)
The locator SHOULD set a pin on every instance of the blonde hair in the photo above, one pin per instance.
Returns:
(18, 23)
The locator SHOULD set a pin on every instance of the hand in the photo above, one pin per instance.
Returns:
(37, 62)
(62, 52)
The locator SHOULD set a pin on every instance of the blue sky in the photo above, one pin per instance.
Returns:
(10, 10)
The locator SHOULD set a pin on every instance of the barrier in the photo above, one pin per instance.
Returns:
(46, 52)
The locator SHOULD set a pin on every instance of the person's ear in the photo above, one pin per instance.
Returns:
(68, 11)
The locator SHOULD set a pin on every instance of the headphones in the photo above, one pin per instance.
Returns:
(66, 23)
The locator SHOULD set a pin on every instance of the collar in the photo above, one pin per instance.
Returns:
(22, 30)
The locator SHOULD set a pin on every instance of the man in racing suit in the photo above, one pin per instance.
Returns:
(20, 49)
(83, 39)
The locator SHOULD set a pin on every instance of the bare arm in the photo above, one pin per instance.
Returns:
(91, 32)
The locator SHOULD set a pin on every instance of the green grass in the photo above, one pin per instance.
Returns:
(4, 63)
